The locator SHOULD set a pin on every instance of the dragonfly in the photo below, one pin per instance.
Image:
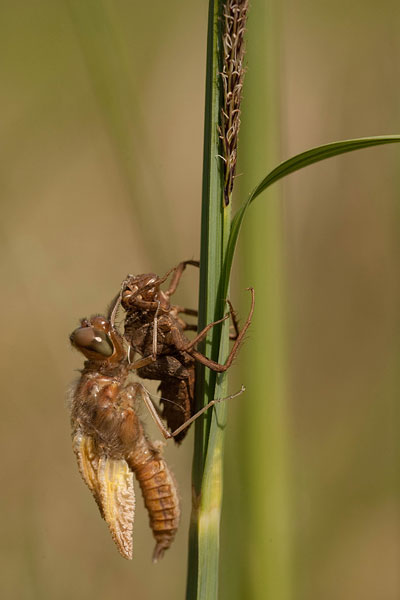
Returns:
(109, 439)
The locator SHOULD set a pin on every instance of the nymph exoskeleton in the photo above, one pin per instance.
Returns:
(156, 331)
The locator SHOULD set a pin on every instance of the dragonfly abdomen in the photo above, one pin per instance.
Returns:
(159, 493)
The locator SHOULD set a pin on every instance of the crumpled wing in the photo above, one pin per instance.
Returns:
(118, 501)
(111, 482)
(88, 460)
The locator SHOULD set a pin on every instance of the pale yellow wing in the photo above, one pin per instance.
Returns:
(111, 483)
(88, 463)
(118, 501)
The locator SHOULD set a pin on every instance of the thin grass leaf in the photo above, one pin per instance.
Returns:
(304, 159)
(314, 155)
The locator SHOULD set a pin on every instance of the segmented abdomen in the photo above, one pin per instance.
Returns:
(159, 493)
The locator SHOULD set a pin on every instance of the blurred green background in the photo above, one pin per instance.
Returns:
(101, 129)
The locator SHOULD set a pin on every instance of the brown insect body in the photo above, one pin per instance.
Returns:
(142, 297)
(110, 443)
(175, 368)
(150, 317)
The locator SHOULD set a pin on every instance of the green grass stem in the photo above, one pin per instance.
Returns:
(209, 435)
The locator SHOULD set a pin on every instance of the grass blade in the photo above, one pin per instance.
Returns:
(202, 581)
(309, 157)
(304, 159)
(225, 73)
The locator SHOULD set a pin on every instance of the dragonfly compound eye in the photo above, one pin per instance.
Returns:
(89, 338)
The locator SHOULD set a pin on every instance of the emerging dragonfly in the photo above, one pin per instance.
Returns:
(109, 440)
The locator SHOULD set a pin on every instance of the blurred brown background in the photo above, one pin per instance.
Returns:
(101, 129)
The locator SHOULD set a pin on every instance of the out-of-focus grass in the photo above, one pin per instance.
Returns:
(342, 271)
(266, 431)
(257, 557)
(69, 235)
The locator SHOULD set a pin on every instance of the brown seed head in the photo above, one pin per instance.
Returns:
(233, 29)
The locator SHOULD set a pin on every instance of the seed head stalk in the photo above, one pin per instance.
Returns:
(224, 80)
(232, 75)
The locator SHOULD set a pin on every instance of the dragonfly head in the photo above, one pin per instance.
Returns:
(98, 340)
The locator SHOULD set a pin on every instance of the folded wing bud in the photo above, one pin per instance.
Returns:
(111, 482)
